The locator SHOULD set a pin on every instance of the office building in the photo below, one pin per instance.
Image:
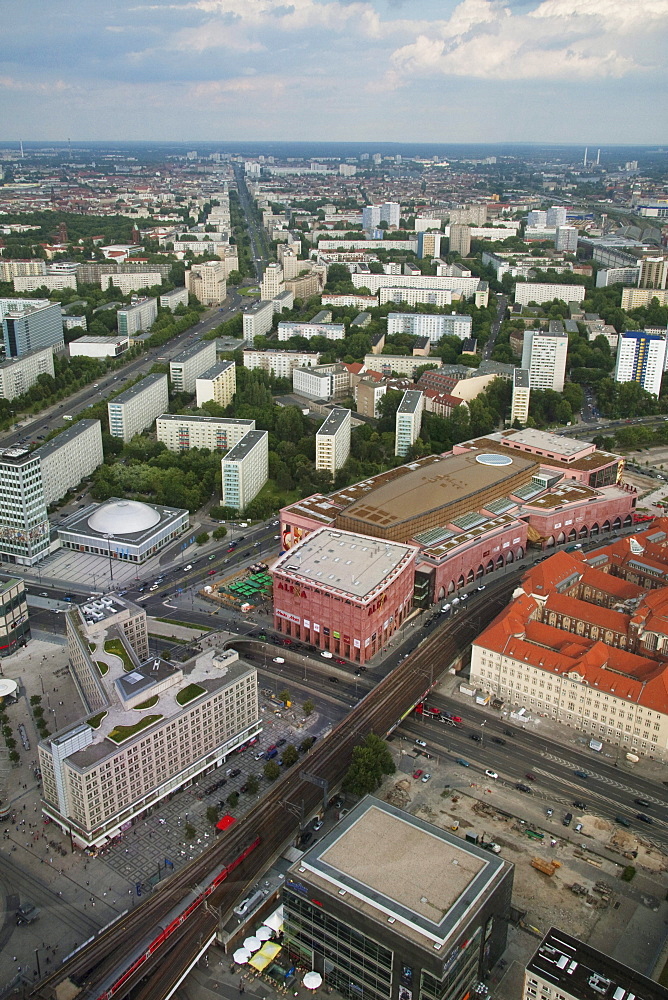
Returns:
(460, 240)
(641, 358)
(69, 458)
(91, 346)
(207, 282)
(408, 421)
(566, 239)
(218, 383)
(182, 432)
(245, 470)
(120, 760)
(540, 292)
(428, 923)
(18, 374)
(135, 409)
(126, 530)
(273, 283)
(14, 621)
(280, 364)
(519, 410)
(431, 325)
(544, 356)
(177, 297)
(28, 327)
(141, 315)
(24, 525)
(332, 331)
(564, 968)
(555, 217)
(332, 441)
(258, 320)
(188, 365)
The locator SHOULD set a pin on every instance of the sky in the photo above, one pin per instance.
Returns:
(588, 71)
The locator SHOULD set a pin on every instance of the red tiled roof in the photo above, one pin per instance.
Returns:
(594, 614)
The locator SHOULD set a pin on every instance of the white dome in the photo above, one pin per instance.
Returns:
(123, 517)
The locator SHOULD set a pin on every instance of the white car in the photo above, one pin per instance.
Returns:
(455, 600)
(326, 653)
(420, 743)
(279, 659)
(445, 609)
(187, 568)
(154, 587)
(426, 777)
(464, 597)
(491, 774)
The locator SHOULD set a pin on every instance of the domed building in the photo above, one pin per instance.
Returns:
(123, 529)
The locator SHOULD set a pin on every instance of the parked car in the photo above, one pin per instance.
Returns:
(491, 774)
(426, 777)
(568, 819)
(580, 805)
(420, 743)
(418, 773)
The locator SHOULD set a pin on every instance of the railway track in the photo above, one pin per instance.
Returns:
(275, 819)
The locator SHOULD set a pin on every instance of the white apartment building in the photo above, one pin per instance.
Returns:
(408, 421)
(566, 239)
(539, 292)
(207, 282)
(54, 281)
(135, 409)
(332, 441)
(403, 295)
(429, 244)
(132, 282)
(218, 383)
(181, 433)
(188, 365)
(280, 364)
(291, 265)
(69, 458)
(10, 269)
(177, 297)
(314, 383)
(636, 298)
(537, 218)
(359, 301)
(519, 409)
(544, 356)
(24, 525)
(431, 325)
(617, 275)
(285, 300)
(92, 346)
(245, 470)
(399, 363)
(373, 215)
(258, 320)
(556, 216)
(141, 315)
(466, 286)
(459, 240)
(332, 331)
(273, 282)
(641, 358)
(18, 374)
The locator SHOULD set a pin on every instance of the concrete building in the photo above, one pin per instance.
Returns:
(245, 470)
(468, 215)
(27, 327)
(91, 346)
(207, 282)
(177, 297)
(280, 364)
(403, 295)
(564, 968)
(258, 320)
(18, 374)
(126, 530)
(464, 284)
(540, 292)
(97, 779)
(273, 283)
(368, 394)
(519, 409)
(181, 432)
(285, 300)
(54, 280)
(218, 383)
(10, 269)
(555, 217)
(332, 331)
(566, 239)
(638, 298)
(429, 924)
(24, 525)
(332, 441)
(14, 621)
(305, 286)
(429, 244)
(189, 364)
(408, 421)
(460, 240)
(618, 275)
(141, 315)
(69, 458)
(544, 356)
(641, 358)
(135, 409)
(654, 272)
(431, 325)
(133, 282)
(401, 364)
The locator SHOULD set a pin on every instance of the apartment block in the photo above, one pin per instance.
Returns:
(566, 239)
(544, 356)
(403, 295)
(218, 383)
(429, 244)
(273, 283)
(322, 382)
(10, 269)
(55, 281)
(460, 239)
(540, 292)
(24, 525)
(181, 433)
(141, 315)
(431, 325)
(284, 300)
(14, 621)
(637, 298)
(641, 358)
(654, 272)
(468, 215)
(92, 346)
(258, 320)
(18, 374)
(280, 364)
(127, 283)
(368, 394)
(332, 331)
(387, 364)
(521, 396)
(207, 282)
(332, 441)
(69, 458)
(188, 365)
(305, 286)
(28, 327)
(245, 470)
(177, 297)
(135, 409)
(408, 421)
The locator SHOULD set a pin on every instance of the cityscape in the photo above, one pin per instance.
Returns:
(334, 501)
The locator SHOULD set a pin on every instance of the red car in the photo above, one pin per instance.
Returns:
(342, 662)
(456, 718)
(287, 642)
(530, 776)
(418, 773)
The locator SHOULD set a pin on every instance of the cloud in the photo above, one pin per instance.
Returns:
(33, 86)
(219, 91)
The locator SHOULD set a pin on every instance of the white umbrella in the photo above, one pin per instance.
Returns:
(264, 933)
(252, 944)
(241, 956)
(312, 980)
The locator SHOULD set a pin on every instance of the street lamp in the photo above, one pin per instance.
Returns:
(111, 569)
(482, 725)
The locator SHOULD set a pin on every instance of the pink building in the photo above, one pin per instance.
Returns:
(572, 512)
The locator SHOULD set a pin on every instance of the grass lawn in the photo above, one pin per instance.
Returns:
(121, 733)
(174, 621)
(188, 693)
(149, 703)
(95, 720)
(114, 646)
(102, 667)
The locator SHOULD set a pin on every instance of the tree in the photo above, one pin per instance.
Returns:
(190, 832)
(220, 532)
(290, 755)
(308, 707)
(271, 770)
(306, 744)
(202, 538)
(233, 800)
(252, 785)
(284, 696)
(212, 815)
(371, 761)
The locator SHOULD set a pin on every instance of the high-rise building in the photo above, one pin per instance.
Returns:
(521, 395)
(332, 441)
(390, 212)
(218, 383)
(14, 622)
(556, 216)
(566, 239)
(430, 922)
(180, 432)
(408, 421)
(70, 457)
(641, 358)
(188, 365)
(18, 374)
(460, 240)
(24, 525)
(245, 470)
(537, 219)
(135, 409)
(207, 282)
(141, 315)
(429, 244)
(370, 217)
(258, 319)
(544, 356)
(273, 283)
(431, 325)
(468, 215)
(280, 364)
(28, 327)
(653, 272)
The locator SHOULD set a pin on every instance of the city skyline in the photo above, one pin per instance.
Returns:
(477, 70)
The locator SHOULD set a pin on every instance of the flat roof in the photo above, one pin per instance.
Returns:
(242, 448)
(587, 973)
(195, 419)
(216, 370)
(343, 561)
(547, 442)
(521, 378)
(90, 338)
(336, 419)
(138, 388)
(137, 305)
(191, 351)
(260, 305)
(74, 430)
(429, 882)
(8, 362)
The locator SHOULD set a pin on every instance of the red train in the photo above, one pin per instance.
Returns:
(156, 938)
